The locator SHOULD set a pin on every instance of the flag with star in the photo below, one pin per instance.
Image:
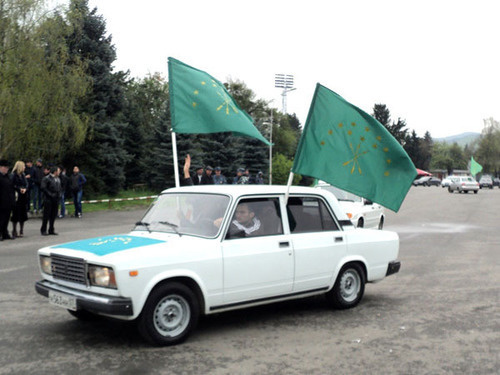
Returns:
(201, 104)
(346, 147)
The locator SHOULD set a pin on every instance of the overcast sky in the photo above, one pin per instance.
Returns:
(433, 63)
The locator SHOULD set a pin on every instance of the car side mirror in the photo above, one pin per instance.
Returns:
(368, 202)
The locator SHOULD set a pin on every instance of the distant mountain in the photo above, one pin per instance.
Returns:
(460, 139)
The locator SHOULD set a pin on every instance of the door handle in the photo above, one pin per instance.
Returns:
(339, 239)
(284, 244)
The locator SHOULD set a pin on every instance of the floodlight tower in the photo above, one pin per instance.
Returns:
(285, 82)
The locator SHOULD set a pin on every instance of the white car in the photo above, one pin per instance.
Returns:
(445, 182)
(207, 249)
(463, 184)
(362, 212)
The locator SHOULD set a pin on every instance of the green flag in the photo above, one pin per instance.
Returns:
(201, 104)
(475, 167)
(348, 148)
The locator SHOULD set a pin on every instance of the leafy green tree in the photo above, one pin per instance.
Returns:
(281, 170)
(40, 83)
(145, 111)
(488, 152)
(441, 158)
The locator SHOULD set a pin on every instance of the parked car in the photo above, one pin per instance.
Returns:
(463, 184)
(427, 181)
(362, 212)
(445, 182)
(496, 182)
(485, 181)
(208, 249)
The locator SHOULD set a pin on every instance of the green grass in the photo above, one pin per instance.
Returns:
(118, 206)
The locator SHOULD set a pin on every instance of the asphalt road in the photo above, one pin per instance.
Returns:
(439, 315)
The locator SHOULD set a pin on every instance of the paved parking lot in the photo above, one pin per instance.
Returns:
(439, 315)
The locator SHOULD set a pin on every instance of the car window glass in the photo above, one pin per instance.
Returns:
(306, 214)
(192, 213)
(256, 217)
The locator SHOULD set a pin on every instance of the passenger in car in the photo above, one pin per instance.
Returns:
(245, 223)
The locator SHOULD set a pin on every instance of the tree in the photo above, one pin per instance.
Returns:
(281, 170)
(147, 120)
(441, 157)
(382, 114)
(40, 83)
(488, 151)
(103, 155)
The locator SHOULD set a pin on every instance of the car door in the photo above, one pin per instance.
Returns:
(371, 213)
(318, 244)
(258, 264)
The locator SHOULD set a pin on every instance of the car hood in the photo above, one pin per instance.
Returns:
(122, 248)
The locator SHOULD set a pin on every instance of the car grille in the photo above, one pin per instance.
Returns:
(69, 269)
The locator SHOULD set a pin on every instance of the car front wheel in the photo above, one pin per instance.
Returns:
(169, 315)
(349, 287)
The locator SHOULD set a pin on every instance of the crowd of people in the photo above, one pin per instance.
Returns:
(43, 189)
(206, 176)
(36, 189)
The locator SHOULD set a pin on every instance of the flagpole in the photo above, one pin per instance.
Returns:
(289, 183)
(174, 152)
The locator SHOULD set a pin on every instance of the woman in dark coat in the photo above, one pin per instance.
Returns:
(19, 215)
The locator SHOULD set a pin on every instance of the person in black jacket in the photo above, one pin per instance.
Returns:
(36, 178)
(64, 188)
(28, 173)
(7, 199)
(207, 178)
(19, 214)
(51, 190)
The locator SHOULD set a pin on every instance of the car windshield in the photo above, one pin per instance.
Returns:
(341, 194)
(185, 213)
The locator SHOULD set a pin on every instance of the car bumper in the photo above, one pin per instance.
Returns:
(393, 268)
(96, 303)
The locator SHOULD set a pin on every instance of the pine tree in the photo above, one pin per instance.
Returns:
(103, 157)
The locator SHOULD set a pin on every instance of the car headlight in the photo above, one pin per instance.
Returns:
(46, 264)
(102, 276)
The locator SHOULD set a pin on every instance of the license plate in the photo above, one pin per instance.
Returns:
(62, 300)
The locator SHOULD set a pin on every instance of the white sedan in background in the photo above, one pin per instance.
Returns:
(362, 212)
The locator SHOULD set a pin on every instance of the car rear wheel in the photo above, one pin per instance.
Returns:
(169, 315)
(361, 223)
(349, 287)
(475, 191)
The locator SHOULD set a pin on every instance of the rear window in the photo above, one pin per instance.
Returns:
(309, 214)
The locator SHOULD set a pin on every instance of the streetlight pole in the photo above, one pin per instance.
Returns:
(285, 82)
(271, 150)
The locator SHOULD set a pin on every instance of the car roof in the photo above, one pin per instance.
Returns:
(237, 191)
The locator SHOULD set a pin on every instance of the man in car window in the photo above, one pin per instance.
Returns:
(245, 224)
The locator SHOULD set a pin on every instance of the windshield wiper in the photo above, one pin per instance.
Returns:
(144, 225)
(173, 226)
